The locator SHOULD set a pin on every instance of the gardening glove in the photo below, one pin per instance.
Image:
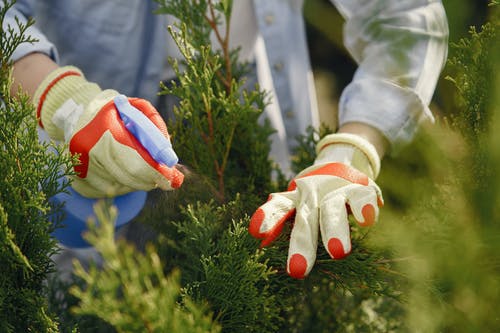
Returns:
(320, 198)
(110, 134)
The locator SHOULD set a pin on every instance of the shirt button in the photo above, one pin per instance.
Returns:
(289, 114)
(269, 19)
(278, 66)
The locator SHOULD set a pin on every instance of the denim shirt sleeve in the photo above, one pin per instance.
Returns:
(22, 11)
(400, 47)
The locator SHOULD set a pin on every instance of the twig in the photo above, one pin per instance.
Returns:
(224, 42)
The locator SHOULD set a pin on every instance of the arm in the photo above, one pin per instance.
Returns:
(21, 11)
(400, 47)
(29, 71)
(369, 133)
(32, 61)
(113, 158)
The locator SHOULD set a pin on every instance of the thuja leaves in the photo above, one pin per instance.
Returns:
(248, 288)
(131, 291)
(221, 264)
(216, 130)
(29, 172)
(10, 38)
(472, 62)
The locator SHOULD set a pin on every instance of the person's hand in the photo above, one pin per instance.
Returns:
(320, 199)
(113, 159)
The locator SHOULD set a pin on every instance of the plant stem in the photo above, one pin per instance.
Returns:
(227, 83)
(224, 43)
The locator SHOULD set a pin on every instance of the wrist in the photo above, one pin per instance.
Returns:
(29, 71)
(349, 149)
(61, 98)
(369, 133)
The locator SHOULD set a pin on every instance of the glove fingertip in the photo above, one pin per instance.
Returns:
(297, 266)
(174, 176)
(336, 249)
(256, 222)
(369, 215)
(272, 229)
(272, 234)
(177, 179)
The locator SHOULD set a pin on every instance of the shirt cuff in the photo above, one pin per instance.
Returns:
(394, 110)
(41, 45)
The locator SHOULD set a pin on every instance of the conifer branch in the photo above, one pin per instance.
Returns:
(131, 291)
(31, 173)
(213, 101)
(223, 41)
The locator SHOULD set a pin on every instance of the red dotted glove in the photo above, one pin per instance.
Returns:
(320, 198)
(112, 160)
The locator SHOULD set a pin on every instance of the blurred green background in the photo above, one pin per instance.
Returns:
(442, 212)
(333, 67)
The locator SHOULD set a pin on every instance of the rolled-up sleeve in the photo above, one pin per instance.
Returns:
(400, 47)
(21, 12)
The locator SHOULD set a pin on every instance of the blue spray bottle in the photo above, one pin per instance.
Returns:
(78, 209)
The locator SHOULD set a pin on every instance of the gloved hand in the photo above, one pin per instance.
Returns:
(320, 198)
(112, 160)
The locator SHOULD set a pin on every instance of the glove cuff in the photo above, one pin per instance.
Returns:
(61, 98)
(349, 149)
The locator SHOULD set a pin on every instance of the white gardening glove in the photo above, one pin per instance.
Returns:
(112, 159)
(320, 198)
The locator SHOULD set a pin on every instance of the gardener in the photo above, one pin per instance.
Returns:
(86, 46)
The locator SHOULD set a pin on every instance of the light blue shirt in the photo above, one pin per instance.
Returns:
(119, 44)
(399, 45)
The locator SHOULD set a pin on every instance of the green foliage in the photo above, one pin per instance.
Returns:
(11, 38)
(249, 290)
(473, 61)
(445, 224)
(448, 254)
(305, 152)
(131, 291)
(221, 264)
(29, 176)
(61, 301)
(216, 128)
